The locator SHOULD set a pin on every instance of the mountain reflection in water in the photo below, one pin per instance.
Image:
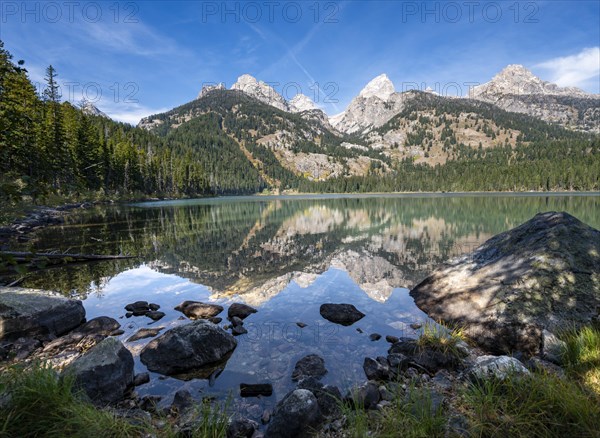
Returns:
(285, 256)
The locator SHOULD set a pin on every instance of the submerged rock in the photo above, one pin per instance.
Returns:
(309, 366)
(30, 312)
(344, 314)
(104, 372)
(188, 347)
(145, 333)
(256, 389)
(544, 274)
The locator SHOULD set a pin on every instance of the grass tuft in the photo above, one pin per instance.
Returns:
(441, 338)
(37, 403)
(581, 357)
(540, 405)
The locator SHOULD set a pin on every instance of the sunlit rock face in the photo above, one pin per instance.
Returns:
(542, 275)
(517, 89)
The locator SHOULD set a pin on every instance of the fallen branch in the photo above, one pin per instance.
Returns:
(25, 257)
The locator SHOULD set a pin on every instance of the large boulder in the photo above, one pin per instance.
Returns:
(343, 314)
(544, 274)
(187, 348)
(31, 312)
(104, 373)
(296, 415)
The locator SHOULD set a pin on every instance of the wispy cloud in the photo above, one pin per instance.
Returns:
(292, 52)
(578, 70)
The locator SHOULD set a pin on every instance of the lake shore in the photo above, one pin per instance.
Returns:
(447, 381)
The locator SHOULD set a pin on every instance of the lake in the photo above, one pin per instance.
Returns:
(285, 256)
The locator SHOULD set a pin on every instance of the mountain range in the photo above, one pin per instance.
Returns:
(380, 126)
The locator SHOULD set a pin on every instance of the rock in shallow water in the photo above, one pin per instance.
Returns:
(344, 314)
(240, 310)
(309, 366)
(199, 310)
(188, 347)
(145, 333)
(28, 312)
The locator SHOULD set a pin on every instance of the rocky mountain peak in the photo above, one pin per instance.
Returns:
(261, 91)
(301, 102)
(381, 87)
(517, 80)
(208, 88)
(90, 109)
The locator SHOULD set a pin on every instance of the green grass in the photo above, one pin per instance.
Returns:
(540, 405)
(35, 402)
(410, 415)
(581, 357)
(441, 338)
(41, 404)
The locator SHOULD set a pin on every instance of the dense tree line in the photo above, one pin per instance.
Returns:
(51, 147)
(541, 166)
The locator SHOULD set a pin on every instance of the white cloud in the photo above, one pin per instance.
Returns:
(580, 70)
(130, 113)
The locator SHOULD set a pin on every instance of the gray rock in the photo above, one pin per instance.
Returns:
(343, 314)
(365, 396)
(104, 372)
(236, 321)
(553, 348)
(376, 370)
(144, 333)
(498, 367)
(198, 310)
(540, 275)
(102, 325)
(155, 315)
(238, 330)
(240, 310)
(296, 415)
(433, 360)
(182, 401)
(30, 312)
(329, 397)
(309, 366)
(392, 339)
(241, 428)
(188, 347)
(374, 336)
(398, 362)
(141, 379)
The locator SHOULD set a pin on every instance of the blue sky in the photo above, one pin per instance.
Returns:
(138, 58)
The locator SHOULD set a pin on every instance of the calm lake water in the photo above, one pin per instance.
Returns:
(285, 256)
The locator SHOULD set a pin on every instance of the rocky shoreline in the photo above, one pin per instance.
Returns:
(42, 326)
